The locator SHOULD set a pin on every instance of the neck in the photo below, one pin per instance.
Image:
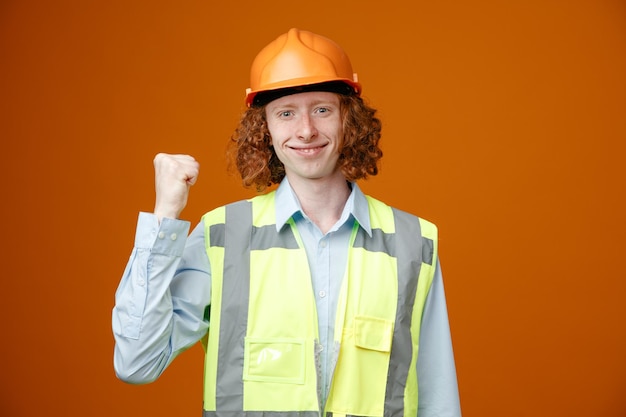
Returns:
(322, 200)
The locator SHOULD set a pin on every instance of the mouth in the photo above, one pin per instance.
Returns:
(309, 150)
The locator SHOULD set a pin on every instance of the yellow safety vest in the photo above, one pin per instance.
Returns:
(262, 353)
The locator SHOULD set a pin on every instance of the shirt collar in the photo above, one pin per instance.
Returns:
(287, 205)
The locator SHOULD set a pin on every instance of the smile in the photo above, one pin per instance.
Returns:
(309, 151)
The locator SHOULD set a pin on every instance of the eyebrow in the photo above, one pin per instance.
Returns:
(291, 104)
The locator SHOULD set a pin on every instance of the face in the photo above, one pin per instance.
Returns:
(306, 132)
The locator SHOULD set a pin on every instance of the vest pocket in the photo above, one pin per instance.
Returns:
(274, 360)
(373, 333)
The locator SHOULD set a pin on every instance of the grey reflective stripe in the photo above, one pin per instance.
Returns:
(428, 251)
(379, 242)
(385, 242)
(409, 257)
(265, 237)
(261, 238)
(217, 234)
(234, 314)
(260, 414)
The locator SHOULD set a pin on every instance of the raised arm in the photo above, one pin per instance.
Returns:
(165, 288)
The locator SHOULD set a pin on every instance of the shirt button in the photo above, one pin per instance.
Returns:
(322, 294)
(173, 236)
(141, 282)
(161, 235)
(323, 243)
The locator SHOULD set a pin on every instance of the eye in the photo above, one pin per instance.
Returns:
(285, 113)
(323, 110)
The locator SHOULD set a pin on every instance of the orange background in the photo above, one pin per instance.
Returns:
(504, 123)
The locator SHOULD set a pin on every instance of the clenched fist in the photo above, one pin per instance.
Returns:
(173, 175)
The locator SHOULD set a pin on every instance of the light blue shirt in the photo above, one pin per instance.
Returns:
(166, 287)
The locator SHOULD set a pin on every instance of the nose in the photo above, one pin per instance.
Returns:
(306, 128)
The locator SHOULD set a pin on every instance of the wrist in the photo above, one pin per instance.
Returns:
(164, 213)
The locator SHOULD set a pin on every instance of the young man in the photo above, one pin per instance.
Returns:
(311, 299)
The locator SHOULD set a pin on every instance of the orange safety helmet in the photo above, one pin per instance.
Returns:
(298, 59)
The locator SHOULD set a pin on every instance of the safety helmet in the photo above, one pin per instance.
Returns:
(300, 59)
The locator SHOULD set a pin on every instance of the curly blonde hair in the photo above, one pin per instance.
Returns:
(255, 159)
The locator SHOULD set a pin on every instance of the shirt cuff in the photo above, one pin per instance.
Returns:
(166, 238)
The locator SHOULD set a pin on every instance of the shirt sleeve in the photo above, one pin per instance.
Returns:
(436, 371)
(161, 299)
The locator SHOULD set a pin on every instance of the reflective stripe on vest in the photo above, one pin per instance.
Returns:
(263, 351)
